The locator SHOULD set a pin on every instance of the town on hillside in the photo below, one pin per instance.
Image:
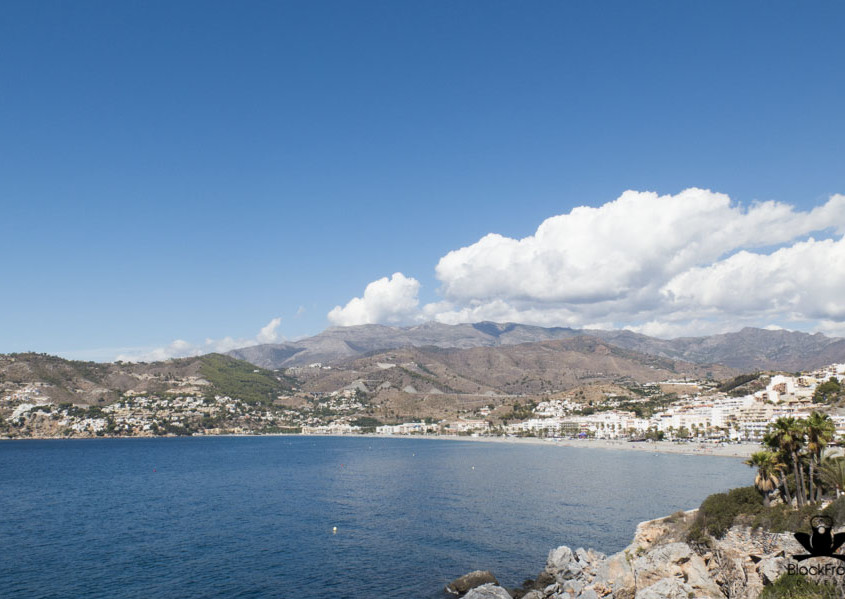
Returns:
(739, 409)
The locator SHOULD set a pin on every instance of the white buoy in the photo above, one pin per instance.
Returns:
(334, 530)
(473, 467)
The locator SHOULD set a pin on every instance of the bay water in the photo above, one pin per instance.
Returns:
(311, 517)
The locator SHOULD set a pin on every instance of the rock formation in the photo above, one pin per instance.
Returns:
(660, 564)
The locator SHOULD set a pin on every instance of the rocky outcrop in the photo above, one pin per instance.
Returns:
(488, 591)
(660, 565)
(467, 582)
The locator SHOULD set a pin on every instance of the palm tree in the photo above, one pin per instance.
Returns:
(786, 434)
(832, 473)
(820, 431)
(769, 468)
(782, 459)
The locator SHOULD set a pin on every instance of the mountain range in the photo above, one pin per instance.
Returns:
(749, 349)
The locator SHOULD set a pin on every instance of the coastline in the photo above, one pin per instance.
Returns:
(739, 450)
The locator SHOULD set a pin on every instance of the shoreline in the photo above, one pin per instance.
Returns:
(738, 450)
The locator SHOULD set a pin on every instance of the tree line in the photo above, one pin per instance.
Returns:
(793, 463)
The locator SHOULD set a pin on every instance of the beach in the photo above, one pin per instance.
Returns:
(731, 450)
(726, 450)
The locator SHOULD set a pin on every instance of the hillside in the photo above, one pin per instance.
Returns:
(747, 350)
(91, 383)
(438, 382)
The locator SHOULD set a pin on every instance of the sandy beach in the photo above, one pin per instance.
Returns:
(732, 450)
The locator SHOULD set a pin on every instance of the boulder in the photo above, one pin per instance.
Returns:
(667, 588)
(488, 591)
(534, 595)
(770, 569)
(563, 564)
(558, 559)
(615, 572)
(568, 572)
(675, 560)
(465, 583)
(573, 586)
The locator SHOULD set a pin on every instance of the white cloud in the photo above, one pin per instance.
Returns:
(270, 332)
(691, 263)
(623, 249)
(805, 281)
(183, 349)
(392, 301)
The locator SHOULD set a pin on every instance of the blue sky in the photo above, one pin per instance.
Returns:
(193, 170)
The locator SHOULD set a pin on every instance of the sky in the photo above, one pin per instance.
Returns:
(184, 177)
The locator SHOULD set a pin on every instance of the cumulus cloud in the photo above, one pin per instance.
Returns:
(389, 301)
(183, 349)
(805, 281)
(690, 263)
(270, 332)
(624, 248)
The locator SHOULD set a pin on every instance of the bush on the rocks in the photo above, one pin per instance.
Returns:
(718, 511)
(795, 586)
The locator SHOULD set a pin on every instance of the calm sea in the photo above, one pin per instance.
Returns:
(254, 517)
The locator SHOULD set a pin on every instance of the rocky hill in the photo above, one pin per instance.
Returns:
(342, 343)
(93, 383)
(749, 349)
(525, 369)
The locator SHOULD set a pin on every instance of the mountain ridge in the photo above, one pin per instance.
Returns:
(747, 349)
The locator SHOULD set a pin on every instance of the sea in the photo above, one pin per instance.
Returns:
(318, 517)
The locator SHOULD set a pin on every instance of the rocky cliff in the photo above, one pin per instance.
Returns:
(659, 564)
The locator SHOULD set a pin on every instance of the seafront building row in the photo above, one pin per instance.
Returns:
(744, 418)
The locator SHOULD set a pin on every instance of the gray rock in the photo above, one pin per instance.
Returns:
(582, 556)
(551, 589)
(558, 559)
(587, 594)
(461, 585)
(677, 560)
(534, 595)
(615, 572)
(573, 586)
(568, 571)
(770, 569)
(667, 588)
(488, 591)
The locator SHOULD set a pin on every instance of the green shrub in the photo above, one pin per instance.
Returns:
(718, 512)
(784, 518)
(795, 586)
(836, 510)
(697, 536)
